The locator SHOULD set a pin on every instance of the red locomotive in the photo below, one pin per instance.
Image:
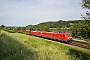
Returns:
(65, 36)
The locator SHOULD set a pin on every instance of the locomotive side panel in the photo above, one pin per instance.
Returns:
(57, 36)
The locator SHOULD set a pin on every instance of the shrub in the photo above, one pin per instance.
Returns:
(21, 32)
(11, 31)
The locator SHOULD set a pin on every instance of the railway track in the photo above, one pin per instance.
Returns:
(80, 44)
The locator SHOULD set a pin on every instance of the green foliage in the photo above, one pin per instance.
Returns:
(29, 27)
(11, 49)
(43, 28)
(54, 30)
(86, 4)
(49, 26)
(56, 24)
(11, 31)
(2, 26)
(87, 17)
(89, 42)
(79, 55)
(23, 28)
(82, 29)
(19, 28)
(21, 32)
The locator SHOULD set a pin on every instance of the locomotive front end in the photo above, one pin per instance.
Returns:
(69, 37)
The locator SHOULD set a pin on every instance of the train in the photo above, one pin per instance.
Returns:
(63, 36)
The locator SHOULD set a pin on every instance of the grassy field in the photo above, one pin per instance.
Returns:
(16, 46)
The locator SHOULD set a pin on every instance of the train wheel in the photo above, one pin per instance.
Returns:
(62, 41)
(69, 42)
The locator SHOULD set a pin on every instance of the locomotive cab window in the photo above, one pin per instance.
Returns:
(68, 34)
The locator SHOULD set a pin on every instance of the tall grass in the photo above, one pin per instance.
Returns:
(15, 46)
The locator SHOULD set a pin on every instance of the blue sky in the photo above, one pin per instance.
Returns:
(25, 12)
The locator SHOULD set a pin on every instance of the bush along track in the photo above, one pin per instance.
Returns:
(16, 46)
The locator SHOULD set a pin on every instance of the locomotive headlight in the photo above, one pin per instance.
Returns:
(68, 37)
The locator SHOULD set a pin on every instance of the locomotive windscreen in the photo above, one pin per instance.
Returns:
(68, 34)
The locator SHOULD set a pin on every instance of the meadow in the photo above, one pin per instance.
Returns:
(17, 46)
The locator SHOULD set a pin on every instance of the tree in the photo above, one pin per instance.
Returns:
(29, 27)
(2, 26)
(23, 28)
(19, 28)
(86, 4)
(82, 28)
(87, 17)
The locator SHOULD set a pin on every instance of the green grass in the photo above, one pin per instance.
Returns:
(16, 46)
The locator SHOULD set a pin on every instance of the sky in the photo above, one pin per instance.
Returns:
(26, 12)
